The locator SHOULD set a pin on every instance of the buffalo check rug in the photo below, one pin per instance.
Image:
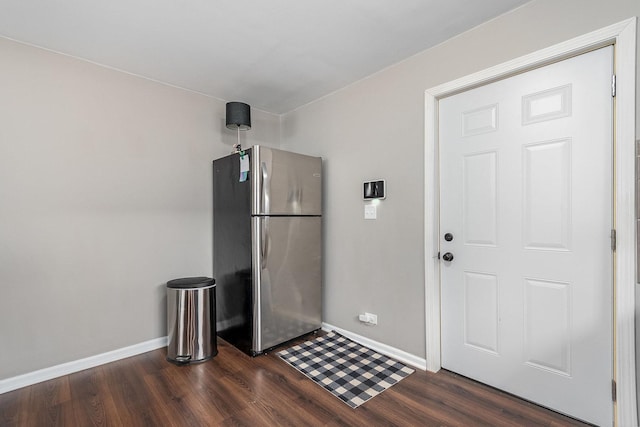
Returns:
(351, 372)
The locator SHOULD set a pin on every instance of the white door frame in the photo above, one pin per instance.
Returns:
(623, 36)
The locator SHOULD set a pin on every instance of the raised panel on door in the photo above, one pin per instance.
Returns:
(481, 311)
(480, 198)
(547, 325)
(546, 188)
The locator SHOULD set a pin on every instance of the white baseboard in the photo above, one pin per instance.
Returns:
(400, 355)
(45, 374)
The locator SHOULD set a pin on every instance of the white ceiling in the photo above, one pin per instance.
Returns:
(273, 54)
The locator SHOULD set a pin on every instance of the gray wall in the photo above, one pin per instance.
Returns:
(375, 129)
(105, 185)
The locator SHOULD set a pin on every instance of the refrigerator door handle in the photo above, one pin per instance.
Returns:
(265, 183)
(256, 275)
(264, 242)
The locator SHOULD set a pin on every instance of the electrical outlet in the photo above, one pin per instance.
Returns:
(368, 318)
(373, 318)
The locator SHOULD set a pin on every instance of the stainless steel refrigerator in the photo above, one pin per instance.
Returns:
(267, 247)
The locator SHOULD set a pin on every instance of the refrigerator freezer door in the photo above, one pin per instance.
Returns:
(287, 279)
(285, 183)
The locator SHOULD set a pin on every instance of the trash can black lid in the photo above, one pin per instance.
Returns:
(191, 282)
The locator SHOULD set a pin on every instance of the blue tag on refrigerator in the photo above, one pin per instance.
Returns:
(244, 167)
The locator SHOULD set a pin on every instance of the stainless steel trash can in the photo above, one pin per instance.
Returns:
(191, 320)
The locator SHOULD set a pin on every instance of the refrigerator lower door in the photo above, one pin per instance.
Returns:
(287, 279)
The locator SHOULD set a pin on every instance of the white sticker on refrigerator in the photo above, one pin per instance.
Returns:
(244, 167)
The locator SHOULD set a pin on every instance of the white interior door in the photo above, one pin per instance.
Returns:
(526, 196)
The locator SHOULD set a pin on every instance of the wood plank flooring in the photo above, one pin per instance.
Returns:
(233, 389)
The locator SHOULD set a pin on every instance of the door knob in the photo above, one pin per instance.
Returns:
(448, 256)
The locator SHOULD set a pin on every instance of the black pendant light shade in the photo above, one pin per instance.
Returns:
(238, 116)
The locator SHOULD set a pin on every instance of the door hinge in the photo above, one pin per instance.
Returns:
(613, 240)
(614, 391)
(613, 85)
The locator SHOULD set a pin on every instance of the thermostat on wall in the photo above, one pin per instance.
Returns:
(374, 190)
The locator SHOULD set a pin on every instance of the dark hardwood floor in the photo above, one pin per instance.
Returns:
(233, 389)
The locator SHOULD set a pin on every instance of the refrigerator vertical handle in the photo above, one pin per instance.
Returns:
(261, 161)
(260, 254)
(256, 276)
(264, 188)
(264, 242)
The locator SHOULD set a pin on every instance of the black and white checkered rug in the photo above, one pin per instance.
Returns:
(351, 372)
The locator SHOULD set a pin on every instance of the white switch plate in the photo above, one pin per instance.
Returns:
(370, 212)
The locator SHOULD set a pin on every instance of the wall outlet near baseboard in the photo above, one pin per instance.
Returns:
(368, 318)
